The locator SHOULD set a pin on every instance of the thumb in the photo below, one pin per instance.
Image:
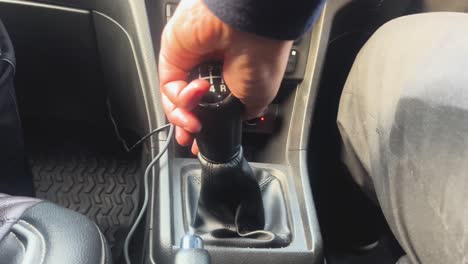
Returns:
(174, 62)
(190, 36)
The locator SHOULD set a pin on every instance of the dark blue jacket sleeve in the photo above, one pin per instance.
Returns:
(278, 19)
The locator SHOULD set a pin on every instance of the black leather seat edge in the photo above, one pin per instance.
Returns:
(36, 231)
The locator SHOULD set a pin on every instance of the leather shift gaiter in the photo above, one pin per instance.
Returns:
(238, 205)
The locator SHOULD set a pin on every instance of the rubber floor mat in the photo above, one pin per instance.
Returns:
(91, 175)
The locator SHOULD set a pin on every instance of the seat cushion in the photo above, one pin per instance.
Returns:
(35, 231)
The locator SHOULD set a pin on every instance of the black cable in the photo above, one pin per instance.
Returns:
(128, 149)
(121, 139)
(146, 185)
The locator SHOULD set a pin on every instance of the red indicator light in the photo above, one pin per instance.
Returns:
(262, 118)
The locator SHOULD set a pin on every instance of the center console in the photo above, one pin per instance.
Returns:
(269, 215)
(280, 223)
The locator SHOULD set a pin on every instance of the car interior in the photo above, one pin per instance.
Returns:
(87, 88)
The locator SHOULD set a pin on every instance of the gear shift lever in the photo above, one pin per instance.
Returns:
(220, 114)
(237, 205)
(230, 195)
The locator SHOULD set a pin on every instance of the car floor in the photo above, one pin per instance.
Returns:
(84, 168)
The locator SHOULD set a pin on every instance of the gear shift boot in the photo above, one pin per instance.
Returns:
(237, 205)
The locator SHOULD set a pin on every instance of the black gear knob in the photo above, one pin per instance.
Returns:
(220, 114)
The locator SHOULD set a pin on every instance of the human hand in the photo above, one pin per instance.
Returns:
(253, 66)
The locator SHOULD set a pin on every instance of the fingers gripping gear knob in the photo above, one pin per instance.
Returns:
(213, 73)
(220, 114)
